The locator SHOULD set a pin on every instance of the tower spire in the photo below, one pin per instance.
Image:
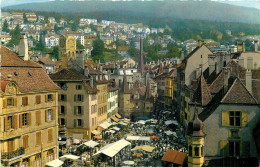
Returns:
(141, 61)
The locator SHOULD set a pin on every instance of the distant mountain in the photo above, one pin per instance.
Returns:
(168, 9)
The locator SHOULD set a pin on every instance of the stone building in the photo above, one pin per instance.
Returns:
(29, 105)
(67, 49)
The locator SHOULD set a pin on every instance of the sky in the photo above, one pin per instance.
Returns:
(248, 3)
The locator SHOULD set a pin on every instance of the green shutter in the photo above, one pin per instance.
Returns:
(224, 148)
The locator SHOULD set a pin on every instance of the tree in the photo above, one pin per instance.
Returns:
(40, 45)
(98, 50)
(15, 37)
(79, 45)
(5, 27)
(134, 53)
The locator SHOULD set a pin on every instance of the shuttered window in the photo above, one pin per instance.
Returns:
(26, 141)
(25, 101)
(50, 135)
(38, 117)
(38, 138)
(38, 99)
(10, 144)
(25, 119)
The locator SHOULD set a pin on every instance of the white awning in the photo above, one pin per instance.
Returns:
(91, 143)
(105, 125)
(143, 138)
(116, 128)
(171, 122)
(111, 131)
(141, 122)
(95, 132)
(54, 163)
(69, 156)
(112, 149)
(170, 133)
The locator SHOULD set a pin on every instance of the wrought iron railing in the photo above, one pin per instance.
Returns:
(16, 153)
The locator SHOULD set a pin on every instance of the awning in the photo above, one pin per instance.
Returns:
(141, 122)
(144, 148)
(95, 132)
(155, 137)
(105, 125)
(69, 156)
(76, 141)
(143, 118)
(171, 122)
(141, 138)
(174, 156)
(97, 137)
(171, 133)
(116, 128)
(118, 116)
(110, 131)
(54, 163)
(115, 119)
(122, 123)
(112, 149)
(91, 144)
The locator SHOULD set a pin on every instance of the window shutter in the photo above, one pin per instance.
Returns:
(46, 115)
(244, 119)
(52, 97)
(6, 123)
(5, 103)
(75, 123)
(38, 117)
(38, 138)
(38, 99)
(59, 97)
(46, 98)
(16, 121)
(15, 101)
(75, 98)
(23, 101)
(245, 151)
(224, 148)
(75, 110)
(29, 119)
(65, 97)
(53, 114)
(82, 110)
(21, 120)
(225, 118)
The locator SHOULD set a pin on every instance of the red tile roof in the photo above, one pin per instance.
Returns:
(46, 61)
(174, 156)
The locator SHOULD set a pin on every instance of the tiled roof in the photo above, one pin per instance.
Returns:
(68, 74)
(238, 94)
(174, 156)
(218, 84)
(46, 61)
(88, 87)
(93, 71)
(202, 94)
(91, 62)
(111, 89)
(51, 35)
(28, 75)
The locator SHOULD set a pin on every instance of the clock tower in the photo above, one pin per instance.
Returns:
(67, 49)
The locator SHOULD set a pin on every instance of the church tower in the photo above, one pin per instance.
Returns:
(67, 49)
(140, 68)
(195, 142)
(124, 98)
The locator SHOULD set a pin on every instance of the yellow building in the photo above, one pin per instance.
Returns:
(67, 49)
(170, 88)
(102, 100)
(28, 117)
(77, 103)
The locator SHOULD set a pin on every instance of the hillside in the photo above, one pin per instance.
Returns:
(168, 9)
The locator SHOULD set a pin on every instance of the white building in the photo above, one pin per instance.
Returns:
(51, 40)
(112, 101)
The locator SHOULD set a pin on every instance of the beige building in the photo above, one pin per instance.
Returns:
(77, 103)
(67, 49)
(102, 100)
(28, 117)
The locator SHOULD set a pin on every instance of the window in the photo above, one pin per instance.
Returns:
(10, 145)
(63, 97)
(78, 87)
(196, 150)
(25, 119)
(50, 135)
(78, 98)
(38, 138)
(190, 150)
(49, 115)
(62, 109)
(38, 99)
(50, 97)
(79, 122)
(235, 118)
(234, 148)
(78, 110)
(10, 122)
(62, 121)
(24, 101)
(92, 121)
(26, 141)
(10, 101)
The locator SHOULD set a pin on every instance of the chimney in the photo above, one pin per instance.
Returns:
(91, 82)
(200, 42)
(101, 68)
(227, 48)
(249, 80)
(226, 75)
(23, 48)
(182, 55)
(212, 62)
(256, 45)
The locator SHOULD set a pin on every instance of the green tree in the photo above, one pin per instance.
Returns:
(5, 27)
(15, 37)
(98, 50)
(79, 45)
(134, 53)
(40, 45)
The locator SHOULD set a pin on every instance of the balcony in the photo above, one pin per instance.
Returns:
(10, 156)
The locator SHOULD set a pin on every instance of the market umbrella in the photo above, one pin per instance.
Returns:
(150, 132)
(137, 155)
(155, 137)
(97, 137)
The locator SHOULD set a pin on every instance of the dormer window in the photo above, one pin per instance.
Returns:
(29, 73)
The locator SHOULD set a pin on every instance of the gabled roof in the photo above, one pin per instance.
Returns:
(218, 84)
(238, 94)
(202, 95)
(68, 74)
(46, 61)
